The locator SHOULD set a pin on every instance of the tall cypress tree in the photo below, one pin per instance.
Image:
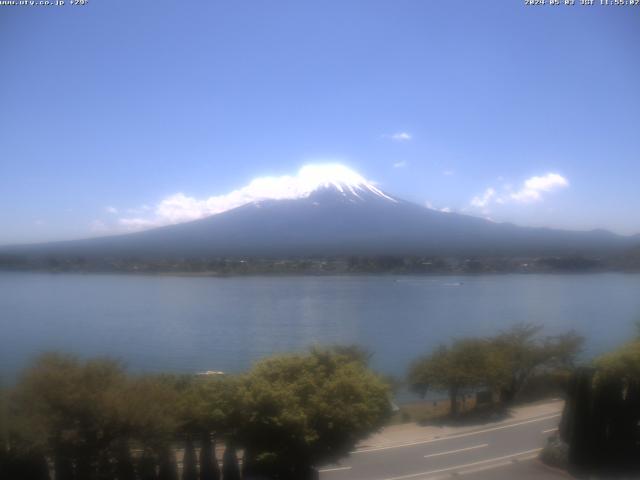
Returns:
(38, 466)
(230, 467)
(63, 467)
(147, 466)
(249, 467)
(168, 467)
(24, 465)
(124, 463)
(209, 469)
(189, 468)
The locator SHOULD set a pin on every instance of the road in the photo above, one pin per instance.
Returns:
(504, 450)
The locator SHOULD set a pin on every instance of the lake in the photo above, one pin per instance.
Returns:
(192, 324)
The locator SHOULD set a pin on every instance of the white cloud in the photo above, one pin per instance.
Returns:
(111, 210)
(430, 206)
(534, 187)
(532, 190)
(400, 164)
(448, 173)
(483, 200)
(179, 207)
(400, 136)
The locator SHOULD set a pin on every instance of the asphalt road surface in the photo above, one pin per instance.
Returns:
(503, 451)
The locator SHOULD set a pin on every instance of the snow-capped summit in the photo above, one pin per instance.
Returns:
(312, 178)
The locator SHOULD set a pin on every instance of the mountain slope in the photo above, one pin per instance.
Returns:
(334, 220)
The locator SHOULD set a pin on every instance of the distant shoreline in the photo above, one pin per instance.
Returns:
(185, 274)
(323, 266)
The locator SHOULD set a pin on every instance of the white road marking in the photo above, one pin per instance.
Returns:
(461, 435)
(336, 469)
(456, 467)
(550, 430)
(506, 463)
(456, 451)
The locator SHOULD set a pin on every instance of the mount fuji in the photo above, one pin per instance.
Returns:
(321, 213)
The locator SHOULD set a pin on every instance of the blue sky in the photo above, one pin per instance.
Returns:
(108, 110)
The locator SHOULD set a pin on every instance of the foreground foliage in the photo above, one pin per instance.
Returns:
(303, 410)
(601, 421)
(84, 420)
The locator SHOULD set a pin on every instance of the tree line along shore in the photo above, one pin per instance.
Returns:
(627, 262)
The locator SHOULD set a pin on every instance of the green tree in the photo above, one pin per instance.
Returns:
(85, 414)
(230, 467)
(466, 364)
(168, 469)
(353, 352)
(68, 407)
(622, 364)
(19, 457)
(147, 466)
(145, 411)
(524, 352)
(209, 469)
(125, 469)
(602, 413)
(207, 410)
(189, 462)
(303, 410)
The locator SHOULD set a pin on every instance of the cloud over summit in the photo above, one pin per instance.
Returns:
(180, 207)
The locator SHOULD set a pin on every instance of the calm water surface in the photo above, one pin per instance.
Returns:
(192, 324)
